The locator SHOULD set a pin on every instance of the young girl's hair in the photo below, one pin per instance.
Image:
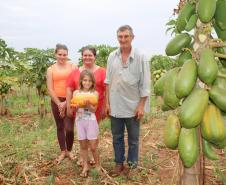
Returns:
(91, 76)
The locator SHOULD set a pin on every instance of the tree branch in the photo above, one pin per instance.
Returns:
(221, 75)
(217, 44)
(220, 55)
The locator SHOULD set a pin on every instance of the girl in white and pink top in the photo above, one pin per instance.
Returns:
(86, 122)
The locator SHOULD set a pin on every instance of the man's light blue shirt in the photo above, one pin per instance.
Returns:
(127, 83)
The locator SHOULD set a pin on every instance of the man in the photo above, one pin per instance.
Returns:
(127, 90)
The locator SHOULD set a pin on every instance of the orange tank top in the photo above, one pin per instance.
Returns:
(59, 80)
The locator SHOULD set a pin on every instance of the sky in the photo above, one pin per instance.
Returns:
(44, 23)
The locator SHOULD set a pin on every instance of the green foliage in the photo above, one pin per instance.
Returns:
(171, 27)
(7, 67)
(8, 56)
(162, 62)
(23, 71)
(4, 88)
(103, 52)
(105, 125)
(39, 60)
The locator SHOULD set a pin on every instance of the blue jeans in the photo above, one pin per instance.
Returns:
(133, 128)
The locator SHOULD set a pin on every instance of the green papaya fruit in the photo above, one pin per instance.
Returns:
(191, 23)
(208, 150)
(165, 107)
(188, 146)
(159, 84)
(206, 10)
(221, 144)
(220, 33)
(172, 131)
(212, 125)
(176, 45)
(183, 57)
(193, 108)
(169, 96)
(220, 14)
(186, 78)
(207, 69)
(184, 16)
(220, 82)
(218, 96)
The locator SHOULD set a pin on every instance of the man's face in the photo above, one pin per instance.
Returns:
(125, 39)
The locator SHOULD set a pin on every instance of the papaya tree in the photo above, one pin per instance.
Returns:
(39, 60)
(7, 69)
(24, 74)
(197, 88)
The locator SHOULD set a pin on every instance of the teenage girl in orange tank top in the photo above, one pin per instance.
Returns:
(57, 75)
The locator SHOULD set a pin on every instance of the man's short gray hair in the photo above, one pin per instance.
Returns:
(125, 27)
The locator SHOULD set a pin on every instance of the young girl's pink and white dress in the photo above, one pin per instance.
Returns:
(86, 123)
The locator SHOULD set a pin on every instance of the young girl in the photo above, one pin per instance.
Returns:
(86, 122)
(57, 75)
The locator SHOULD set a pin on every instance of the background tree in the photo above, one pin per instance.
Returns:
(8, 56)
(39, 60)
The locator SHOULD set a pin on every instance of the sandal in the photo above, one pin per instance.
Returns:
(60, 158)
(84, 174)
(80, 163)
(70, 156)
(92, 162)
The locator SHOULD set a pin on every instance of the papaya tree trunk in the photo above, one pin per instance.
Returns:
(42, 106)
(1, 106)
(29, 94)
(3, 110)
(195, 174)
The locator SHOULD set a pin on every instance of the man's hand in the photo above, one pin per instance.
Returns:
(139, 112)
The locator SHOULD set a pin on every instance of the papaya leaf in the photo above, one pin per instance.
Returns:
(175, 31)
(168, 29)
(171, 22)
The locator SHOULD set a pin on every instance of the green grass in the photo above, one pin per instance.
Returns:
(18, 103)
(26, 140)
(28, 145)
(105, 126)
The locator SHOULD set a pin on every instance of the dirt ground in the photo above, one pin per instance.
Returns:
(157, 164)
